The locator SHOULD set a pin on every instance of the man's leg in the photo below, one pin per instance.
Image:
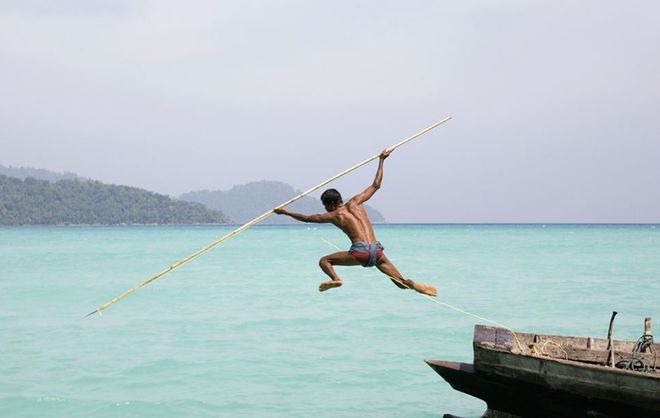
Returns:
(386, 266)
(342, 258)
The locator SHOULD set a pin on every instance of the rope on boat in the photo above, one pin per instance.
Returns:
(543, 353)
(455, 308)
(637, 361)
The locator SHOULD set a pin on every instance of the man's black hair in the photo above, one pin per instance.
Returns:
(331, 196)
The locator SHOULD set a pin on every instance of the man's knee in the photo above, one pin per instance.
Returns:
(324, 261)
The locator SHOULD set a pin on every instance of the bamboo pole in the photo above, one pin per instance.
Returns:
(254, 221)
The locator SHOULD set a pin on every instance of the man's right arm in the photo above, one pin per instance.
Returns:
(373, 188)
(318, 218)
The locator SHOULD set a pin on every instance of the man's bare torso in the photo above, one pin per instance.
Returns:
(353, 220)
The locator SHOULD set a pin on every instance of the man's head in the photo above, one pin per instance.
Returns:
(331, 199)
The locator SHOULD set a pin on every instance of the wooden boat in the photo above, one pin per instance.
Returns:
(533, 375)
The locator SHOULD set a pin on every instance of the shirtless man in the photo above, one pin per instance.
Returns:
(351, 218)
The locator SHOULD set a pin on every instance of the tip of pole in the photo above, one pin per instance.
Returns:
(91, 313)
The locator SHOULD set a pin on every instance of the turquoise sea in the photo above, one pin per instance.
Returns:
(243, 332)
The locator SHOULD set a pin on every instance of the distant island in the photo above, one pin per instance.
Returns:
(86, 202)
(245, 202)
(30, 196)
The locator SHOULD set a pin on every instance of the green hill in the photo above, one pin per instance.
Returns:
(245, 202)
(73, 201)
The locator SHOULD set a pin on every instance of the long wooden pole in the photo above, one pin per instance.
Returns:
(252, 222)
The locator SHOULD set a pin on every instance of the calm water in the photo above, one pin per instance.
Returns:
(242, 330)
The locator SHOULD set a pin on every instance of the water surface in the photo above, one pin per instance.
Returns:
(243, 331)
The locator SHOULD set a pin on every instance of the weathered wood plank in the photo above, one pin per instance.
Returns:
(503, 339)
(588, 355)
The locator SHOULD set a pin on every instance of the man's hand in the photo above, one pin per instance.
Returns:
(280, 211)
(386, 153)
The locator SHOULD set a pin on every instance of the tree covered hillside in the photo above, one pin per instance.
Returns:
(72, 201)
(245, 202)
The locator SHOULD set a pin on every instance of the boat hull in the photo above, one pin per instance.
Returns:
(512, 398)
(517, 384)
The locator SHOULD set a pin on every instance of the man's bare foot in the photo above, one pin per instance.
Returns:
(329, 285)
(426, 289)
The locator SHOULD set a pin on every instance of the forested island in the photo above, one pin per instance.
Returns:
(30, 196)
(74, 201)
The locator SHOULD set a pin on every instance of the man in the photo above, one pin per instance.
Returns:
(351, 218)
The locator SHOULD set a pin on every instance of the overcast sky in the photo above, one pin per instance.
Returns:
(555, 104)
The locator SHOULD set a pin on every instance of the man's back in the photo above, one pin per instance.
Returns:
(352, 218)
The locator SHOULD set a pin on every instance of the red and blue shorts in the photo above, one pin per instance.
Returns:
(367, 254)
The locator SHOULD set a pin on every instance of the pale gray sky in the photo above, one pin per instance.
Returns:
(555, 103)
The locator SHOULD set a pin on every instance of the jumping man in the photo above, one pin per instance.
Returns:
(351, 218)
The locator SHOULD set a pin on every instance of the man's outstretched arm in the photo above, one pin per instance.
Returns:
(369, 191)
(318, 218)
